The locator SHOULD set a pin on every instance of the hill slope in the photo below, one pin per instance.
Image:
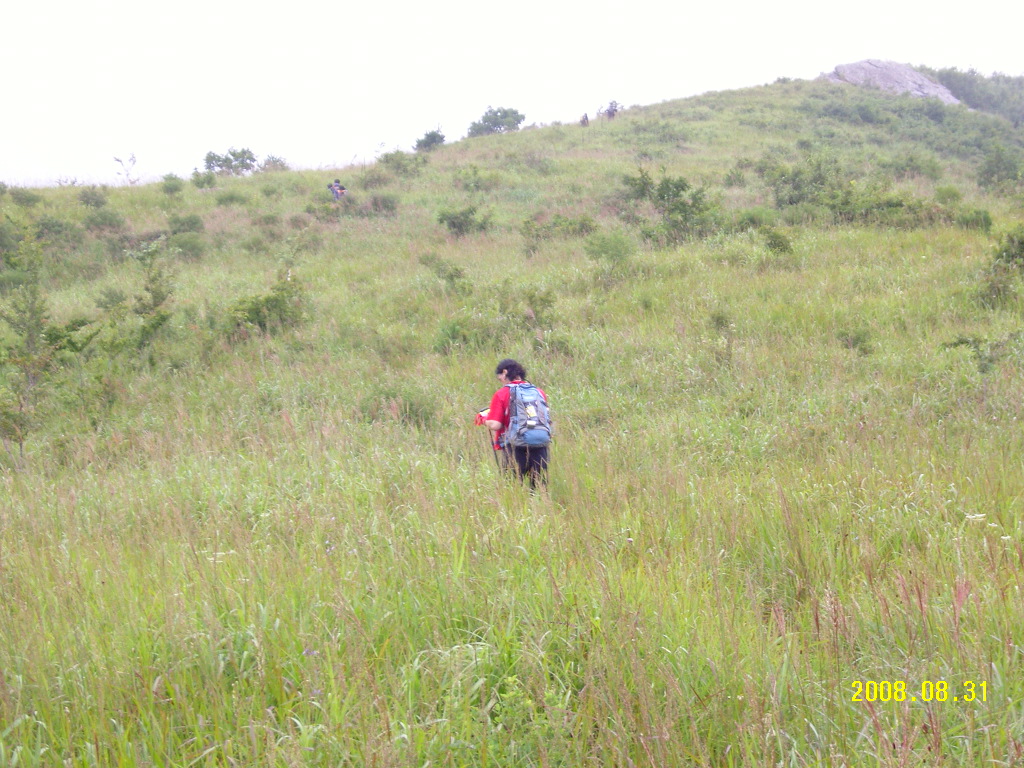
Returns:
(250, 520)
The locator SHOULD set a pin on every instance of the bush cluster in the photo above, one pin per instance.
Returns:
(463, 221)
(1010, 249)
(534, 230)
(280, 308)
(683, 210)
(92, 197)
(403, 164)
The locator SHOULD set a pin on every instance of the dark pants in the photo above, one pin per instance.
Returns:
(531, 463)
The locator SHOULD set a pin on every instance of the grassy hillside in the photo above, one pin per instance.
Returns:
(245, 518)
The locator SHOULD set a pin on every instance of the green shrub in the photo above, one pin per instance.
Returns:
(375, 177)
(735, 178)
(103, 219)
(948, 195)
(203, 179)
(382, 205)
(172, 184)
(471, 179)
(92, 197)
(777, 242)
(572, 227)
(111, 298)
(58, 231)
(282, 307)
(464, 221)
(1001, 167)
(999, 285)
(534, 231)
(232, 197)
(190, 222)
(325, 212)
(25, 198)
(457, 334)
(816, 179)
(402, 164)
(913, 164)
(10, 236)
(12, 278)
(452, 275)
(267, 220)
(974, 218)
(857, 339)
(522, 308)
(756, 218)
(1010, 249)
(685, 210)
(187, 245)
(611, 248)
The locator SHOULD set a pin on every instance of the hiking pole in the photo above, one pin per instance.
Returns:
(490, 438)
(490, 447)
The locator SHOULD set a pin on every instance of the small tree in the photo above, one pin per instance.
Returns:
(430, 140)
(28, 356)
(235, 162)
(272, 164)
(127, 171)
(500, 120)
(462, 222)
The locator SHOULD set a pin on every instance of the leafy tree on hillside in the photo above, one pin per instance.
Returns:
(430, 140)
(497, 120)
(273, 164)
(235, 162)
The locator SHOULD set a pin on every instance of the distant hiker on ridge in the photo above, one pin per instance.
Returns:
(337, 190)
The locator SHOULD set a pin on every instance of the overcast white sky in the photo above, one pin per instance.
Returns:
(327, 84)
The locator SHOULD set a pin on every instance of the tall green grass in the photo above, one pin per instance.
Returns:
(774, 474)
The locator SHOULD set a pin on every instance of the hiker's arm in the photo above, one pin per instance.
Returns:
(498, 405)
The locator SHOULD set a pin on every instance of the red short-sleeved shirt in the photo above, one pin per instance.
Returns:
(499, 407)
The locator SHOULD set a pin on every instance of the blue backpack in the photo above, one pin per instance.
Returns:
(529, 420)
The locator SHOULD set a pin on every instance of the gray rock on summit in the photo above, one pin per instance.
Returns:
(892, 77)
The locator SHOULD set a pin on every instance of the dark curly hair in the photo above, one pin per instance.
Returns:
(512, 369)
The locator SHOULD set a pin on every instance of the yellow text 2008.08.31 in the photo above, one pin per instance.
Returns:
(927, 690)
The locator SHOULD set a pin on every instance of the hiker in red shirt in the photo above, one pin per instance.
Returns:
(527, 460)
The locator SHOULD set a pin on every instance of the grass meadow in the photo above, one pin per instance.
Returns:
(778, 474)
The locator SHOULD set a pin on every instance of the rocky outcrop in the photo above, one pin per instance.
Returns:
(892, 77)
